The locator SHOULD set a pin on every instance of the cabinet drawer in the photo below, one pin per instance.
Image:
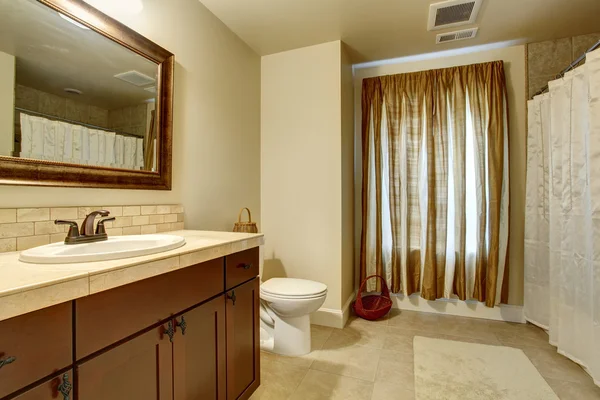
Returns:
(40, 343)
(241, 267)
(108, 317)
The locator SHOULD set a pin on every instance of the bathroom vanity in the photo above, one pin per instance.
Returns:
(183, 324)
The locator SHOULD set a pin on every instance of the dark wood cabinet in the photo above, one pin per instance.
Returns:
(59, 387)
(176, 336)
(34, 346)
(243, 341)
(199, 348)
(141, 368)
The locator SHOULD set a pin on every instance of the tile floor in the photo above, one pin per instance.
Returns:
(374, 360)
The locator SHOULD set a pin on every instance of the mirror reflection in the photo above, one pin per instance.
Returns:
(69, 94)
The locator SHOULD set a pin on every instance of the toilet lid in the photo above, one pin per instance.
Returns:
(292, 287)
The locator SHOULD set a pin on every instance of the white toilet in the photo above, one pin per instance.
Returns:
(286, 305)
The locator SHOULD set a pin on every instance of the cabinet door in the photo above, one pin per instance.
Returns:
(58, 388)
(243, 341)
(199, 359)
(141, 368)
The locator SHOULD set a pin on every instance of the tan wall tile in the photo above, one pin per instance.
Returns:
(157, 219)
(63, 213)
(57, 237)
(115, 211)
(131, 230)
(163, 227)
(176, 209)
(141, 220)
(48, 227)
(163, 209)
(16, 229)
(131, 210)
(8, 245)
(114, 231)
(147, 229)
(33, 214)
(8, 215)
(171, 218)
(147, 210)
(27, 242)
(122, 221)
(82, 212)
(35, 226)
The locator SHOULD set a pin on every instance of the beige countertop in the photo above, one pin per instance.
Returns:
(28, 287)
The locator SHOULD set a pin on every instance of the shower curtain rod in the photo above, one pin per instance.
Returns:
(570, 67)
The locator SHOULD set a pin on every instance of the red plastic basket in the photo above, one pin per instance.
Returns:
(373, 306)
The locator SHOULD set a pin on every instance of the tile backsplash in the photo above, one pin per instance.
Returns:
(24, 228)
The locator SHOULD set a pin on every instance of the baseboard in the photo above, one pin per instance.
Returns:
(469, 308)
(332, 317)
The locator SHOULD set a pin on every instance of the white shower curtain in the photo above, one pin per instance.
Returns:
(562, 234)
(45, 139)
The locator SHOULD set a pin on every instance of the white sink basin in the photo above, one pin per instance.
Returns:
(112, 249)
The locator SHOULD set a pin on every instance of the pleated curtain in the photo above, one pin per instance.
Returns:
(435, 182)
(562, 234)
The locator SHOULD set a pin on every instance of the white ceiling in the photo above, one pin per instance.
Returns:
(383, 29)
(53, 54)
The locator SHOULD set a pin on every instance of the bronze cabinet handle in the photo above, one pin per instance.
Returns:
(65, 387)
(182, 324)
(232, 296)
(169, 331)
(245, 266)
(7, 361)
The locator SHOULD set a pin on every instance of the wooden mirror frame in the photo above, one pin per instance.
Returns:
(23, 171)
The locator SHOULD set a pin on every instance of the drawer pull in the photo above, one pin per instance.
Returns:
(65, 387)
(245, 266)
(182, 324)
(7, 361)
(170, 331)
(232, 297)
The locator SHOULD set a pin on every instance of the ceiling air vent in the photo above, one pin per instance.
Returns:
(457, 35)
(452, 13)
(135, 78)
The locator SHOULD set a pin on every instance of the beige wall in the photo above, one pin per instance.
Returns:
(7, 102)
(514, 62)
(347, 177)
(216, 158)
(301, 166)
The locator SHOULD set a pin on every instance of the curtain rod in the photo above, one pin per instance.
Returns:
(55, 118)
(570, 67)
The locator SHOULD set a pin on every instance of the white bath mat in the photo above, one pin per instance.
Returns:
(450, 370)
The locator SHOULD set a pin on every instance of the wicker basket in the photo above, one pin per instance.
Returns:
(247, 227)
(373, 306)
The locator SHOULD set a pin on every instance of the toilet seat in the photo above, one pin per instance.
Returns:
(292, 288)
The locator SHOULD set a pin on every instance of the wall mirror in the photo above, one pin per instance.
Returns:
(84, 100)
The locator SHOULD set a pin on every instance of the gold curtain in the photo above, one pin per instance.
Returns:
(423, 116)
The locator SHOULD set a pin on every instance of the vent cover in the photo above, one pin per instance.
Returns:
(135, 78)
(457, 35)
(452, 13)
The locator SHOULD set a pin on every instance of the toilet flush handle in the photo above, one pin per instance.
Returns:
(232, 297)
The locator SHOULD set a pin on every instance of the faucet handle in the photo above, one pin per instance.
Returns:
(73, 227)
(100, 226)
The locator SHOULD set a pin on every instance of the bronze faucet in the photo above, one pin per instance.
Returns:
(87, 234)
